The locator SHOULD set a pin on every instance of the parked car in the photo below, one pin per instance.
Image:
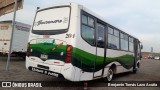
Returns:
(150, 57)
(157, 57)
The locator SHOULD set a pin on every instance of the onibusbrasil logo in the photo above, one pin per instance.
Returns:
(20, 84)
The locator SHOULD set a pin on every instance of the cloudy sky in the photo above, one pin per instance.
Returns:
(140, 18)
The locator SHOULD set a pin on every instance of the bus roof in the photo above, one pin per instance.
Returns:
(88, 11)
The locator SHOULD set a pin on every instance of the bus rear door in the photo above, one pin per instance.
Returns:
(100, 50)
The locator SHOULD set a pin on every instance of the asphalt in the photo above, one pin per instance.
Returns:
(148, 71)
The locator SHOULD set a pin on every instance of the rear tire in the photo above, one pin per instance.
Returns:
(109, 75)
(134, 71)
(24, 57)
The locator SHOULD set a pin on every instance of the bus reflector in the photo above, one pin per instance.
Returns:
(68, 53)
(28, 46)
(68, 49)
(56, 62)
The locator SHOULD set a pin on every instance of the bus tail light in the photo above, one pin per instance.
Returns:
(28, 47)
(68, 53)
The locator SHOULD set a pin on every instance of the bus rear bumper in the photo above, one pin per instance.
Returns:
(67, 70)
(43, 68)
(43, 71)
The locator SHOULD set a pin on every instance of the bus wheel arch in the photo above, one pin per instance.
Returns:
(110, 73)
(136, 68)
(113, 67)
(138, 65)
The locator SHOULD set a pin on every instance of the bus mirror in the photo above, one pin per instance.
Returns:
(141, 46)
(38, 8)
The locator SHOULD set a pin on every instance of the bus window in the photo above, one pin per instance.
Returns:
(116, 33)
(90, 21)
(139, 51)
(51, 21)
(88, 29)
(84, 19)
(124, 42)
(131, 44)
(110, 30)
(113, 38)
(88, 34)
(100, 35)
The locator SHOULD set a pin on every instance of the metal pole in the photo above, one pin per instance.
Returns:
(11, 39)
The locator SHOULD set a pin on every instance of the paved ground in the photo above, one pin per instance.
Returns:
(149, 71)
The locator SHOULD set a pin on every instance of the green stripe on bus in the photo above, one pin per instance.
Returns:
(83, 57)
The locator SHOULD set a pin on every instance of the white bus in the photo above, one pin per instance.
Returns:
(71, 41)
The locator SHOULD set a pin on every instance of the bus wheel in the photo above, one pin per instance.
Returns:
(109, 75)
(135, 71)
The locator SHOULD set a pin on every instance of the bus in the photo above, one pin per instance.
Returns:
(70, 41)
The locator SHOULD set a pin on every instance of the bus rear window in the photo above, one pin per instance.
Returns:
(52, 20)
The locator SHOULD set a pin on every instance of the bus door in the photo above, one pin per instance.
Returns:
(100, 49)
(136, 52)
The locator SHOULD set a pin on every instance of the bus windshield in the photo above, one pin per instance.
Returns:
(52, 19)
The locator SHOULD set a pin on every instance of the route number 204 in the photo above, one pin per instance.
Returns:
(70, 35)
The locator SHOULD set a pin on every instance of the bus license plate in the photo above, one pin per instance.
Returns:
(43, 56)
(44, 72)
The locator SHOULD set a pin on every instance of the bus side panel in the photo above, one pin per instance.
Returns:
(83, 54)
(123, 60)
(68, 71)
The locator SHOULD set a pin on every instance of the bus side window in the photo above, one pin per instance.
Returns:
(91, 22)
(124, 42)
(113, 38)
(131, 44)
(84, 19)
(139, 52)
(88, 34)
(100, 35)
(88, 30)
